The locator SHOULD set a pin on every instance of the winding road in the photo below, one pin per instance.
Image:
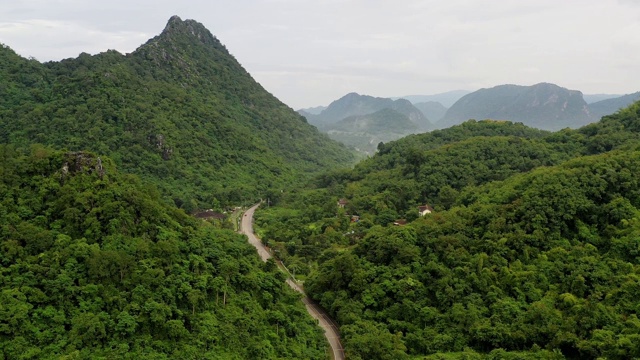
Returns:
(326, 323)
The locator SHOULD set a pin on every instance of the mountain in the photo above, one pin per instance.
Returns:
(433, 110)
(355, 104)
(362, 121)
(365, 132)
(348, 105)
(544, 106)
(180, 111)
(591, 98)
(609, 106)
(446, 98)
(413, 114)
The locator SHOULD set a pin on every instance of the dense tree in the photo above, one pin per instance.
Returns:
(180, 111)
(531, 253)
(94, 265)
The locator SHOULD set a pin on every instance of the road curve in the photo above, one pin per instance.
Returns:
(326, 323)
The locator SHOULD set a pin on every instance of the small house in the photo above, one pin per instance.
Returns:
(342, 203)
(424, 210)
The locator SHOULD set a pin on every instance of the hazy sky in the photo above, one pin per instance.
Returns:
(310, 52)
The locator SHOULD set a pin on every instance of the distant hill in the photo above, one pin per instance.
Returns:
(433, 110)
(354, 104)
(348, 105)
(365, 132)
(362, 121)
(180, 111)
(446, 98)
(610, 106)
(543, 106)
(379, 122)
(414, 114)
(312, 110)
(591, 98)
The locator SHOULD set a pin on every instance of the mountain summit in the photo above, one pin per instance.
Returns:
(544, 106)
(180, 111)
(177, 27)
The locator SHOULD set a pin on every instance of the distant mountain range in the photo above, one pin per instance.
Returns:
(314, 110)
(543, 106)
(362, 121)
(611, 105)
(432, 106)
(591, 98)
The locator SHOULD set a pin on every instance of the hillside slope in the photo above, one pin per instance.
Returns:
(95, 265)
(179, 111)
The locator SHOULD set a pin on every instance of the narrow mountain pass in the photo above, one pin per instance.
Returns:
(329, 326)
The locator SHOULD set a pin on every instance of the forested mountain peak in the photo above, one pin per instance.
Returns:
(187, 50)
(179, 31)
(180, 111)
(6, 51)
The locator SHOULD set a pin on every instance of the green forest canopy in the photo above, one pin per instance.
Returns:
(180, 111)
(533, 248)
(95, 265)
(532, 251)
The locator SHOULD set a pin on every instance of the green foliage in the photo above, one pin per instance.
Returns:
(180, 112)
(527, 262)
(95, 265)
(532, 252)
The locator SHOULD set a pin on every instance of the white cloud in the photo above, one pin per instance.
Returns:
(48, 39)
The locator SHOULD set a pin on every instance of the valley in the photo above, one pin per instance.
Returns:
(501, 223)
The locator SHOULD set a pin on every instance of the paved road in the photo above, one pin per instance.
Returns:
(328, 325)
